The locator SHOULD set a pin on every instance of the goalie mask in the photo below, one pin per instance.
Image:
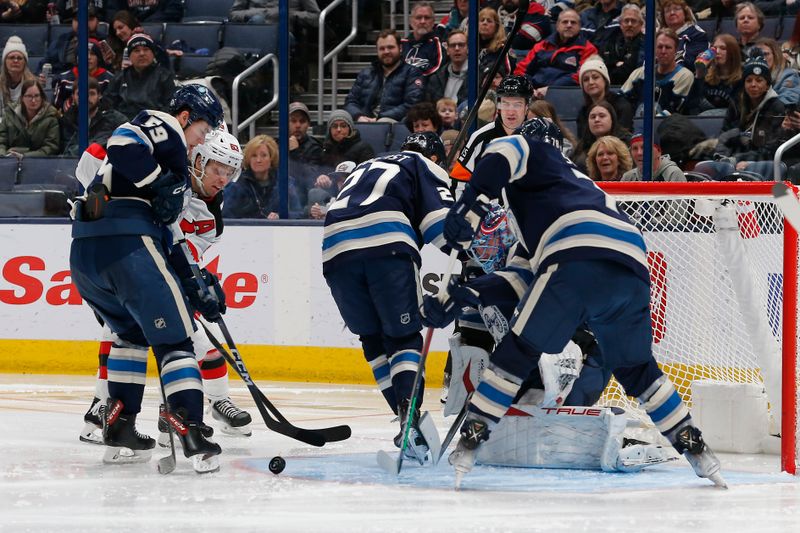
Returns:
(492, 241)
(219, 146)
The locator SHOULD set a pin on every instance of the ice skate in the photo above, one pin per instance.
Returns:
(417, 448)
(473, 433)
(196, 446)
(689, 441)
(163, 429)
(125, 444)
(234, 420)
(92, 431)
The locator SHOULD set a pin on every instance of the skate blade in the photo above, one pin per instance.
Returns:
(718, 480)
(116, 455)
(91, 434)
(243, 431)
(205, 464)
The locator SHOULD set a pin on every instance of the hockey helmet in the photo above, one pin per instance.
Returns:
(518, 86)
(492, 241)
(542, 129)
(219, 146)
(201, 103)
(426, 143)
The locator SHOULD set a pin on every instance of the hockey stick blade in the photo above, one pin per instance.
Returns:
(451, 433)
(788, 202)
(387, 462)
(279, 424)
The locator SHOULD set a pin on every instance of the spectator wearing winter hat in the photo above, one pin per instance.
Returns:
(752, 129)
(62, 53)
(343, 142)
(64, 83)
(303, 148)
(785, 80)
(326, 188)
(14, 71)
(664, 169)
(145, 84)
(595, 84)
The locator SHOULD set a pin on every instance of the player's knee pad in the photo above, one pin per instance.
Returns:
(410, 341)
(162, 350)
(468, 363)
(636, 380)
(515, 357)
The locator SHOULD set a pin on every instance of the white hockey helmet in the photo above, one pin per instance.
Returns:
(219, 146)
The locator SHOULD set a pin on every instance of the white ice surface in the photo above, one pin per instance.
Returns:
(49, 481)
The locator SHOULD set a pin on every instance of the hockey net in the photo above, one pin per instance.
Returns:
(723, 270)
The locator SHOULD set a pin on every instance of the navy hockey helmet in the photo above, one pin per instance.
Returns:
(542, 129)
(426, 143)
(515, 86)
(200, 102)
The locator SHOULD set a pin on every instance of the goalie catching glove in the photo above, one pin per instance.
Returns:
(464, 218)
(436, 313)
(209, 301)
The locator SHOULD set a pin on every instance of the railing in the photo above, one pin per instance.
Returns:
(331, 56)
(779, 156)
(393, 13)
(237, 81)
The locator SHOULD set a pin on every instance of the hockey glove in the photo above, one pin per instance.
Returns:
(169, 197)
(209, 301)
(464, 218)
(436, 313)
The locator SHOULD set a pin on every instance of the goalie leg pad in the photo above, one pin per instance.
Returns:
(468, 364)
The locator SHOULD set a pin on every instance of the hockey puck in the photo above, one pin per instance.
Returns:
(277, 464)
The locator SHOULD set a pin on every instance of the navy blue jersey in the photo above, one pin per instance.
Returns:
(140, 151)
(391, 204)
(559, 213)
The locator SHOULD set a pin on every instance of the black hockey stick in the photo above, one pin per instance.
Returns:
(454, 428)
(273, 418)
(487, 82)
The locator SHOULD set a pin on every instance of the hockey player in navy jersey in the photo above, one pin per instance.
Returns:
(590, 266)
(125, 265)
(388, 208)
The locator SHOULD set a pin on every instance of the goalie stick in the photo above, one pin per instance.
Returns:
(278, 424)
(167, 464)
(788, 202)
(487, 82)
(453, 429)
(384, 459)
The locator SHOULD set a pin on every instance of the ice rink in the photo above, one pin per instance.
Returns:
(52, 482)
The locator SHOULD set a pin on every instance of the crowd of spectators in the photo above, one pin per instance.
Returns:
(746, 78)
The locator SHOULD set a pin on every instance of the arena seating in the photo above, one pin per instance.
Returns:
(207, 10)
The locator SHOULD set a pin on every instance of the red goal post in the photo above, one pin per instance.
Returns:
(723, 269)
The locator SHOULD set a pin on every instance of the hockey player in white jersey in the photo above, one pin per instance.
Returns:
(590, 265)
(214, 164)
